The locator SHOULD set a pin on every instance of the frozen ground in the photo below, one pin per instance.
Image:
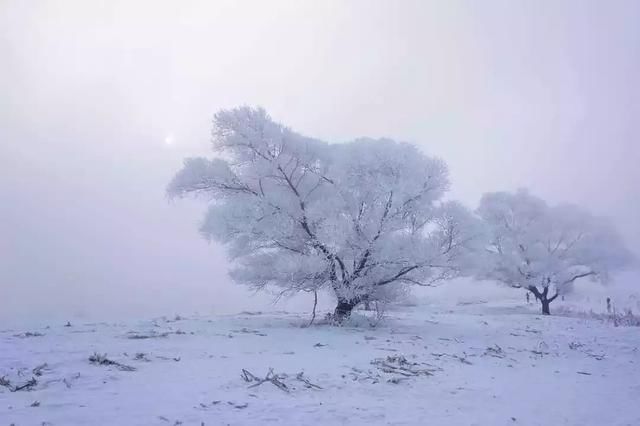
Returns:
(470, 364)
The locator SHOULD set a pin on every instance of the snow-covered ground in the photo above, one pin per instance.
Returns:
(466, 364)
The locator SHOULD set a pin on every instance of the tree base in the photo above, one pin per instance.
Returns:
(545, 308)
(343, 310)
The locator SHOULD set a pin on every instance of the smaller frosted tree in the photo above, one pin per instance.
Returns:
(543, 248)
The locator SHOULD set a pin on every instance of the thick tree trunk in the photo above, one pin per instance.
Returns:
(542, 296)
(545, 307)
(343, 309)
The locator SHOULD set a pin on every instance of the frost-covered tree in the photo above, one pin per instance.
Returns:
(362, 218)
(543, 248)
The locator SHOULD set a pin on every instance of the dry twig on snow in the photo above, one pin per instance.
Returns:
(99, 359)
(274, 379)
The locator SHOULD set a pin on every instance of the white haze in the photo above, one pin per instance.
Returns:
(100, 101)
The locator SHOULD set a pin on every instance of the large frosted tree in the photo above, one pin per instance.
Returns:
(545, 249)
(361, 219)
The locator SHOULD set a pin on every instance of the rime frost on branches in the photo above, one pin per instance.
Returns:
(359, 218)
(545, 248)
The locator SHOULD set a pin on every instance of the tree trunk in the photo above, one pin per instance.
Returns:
(542, 296)
(343, 310)
(545, 306)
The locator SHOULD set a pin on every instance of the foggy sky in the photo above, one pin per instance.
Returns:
(100, 101)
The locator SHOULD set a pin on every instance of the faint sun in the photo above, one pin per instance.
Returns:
(168, 140)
